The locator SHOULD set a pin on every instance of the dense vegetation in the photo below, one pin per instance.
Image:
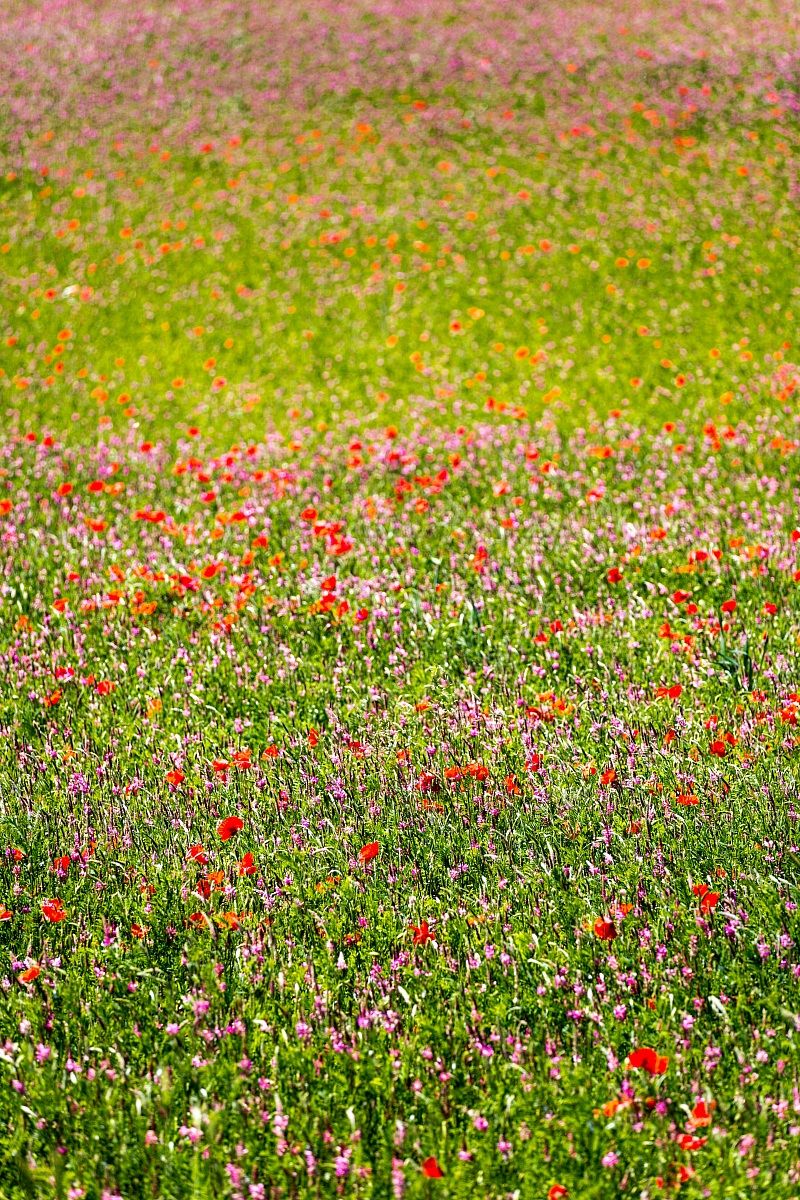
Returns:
(399, 619)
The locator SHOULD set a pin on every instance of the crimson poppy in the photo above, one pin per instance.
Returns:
(368, 852)
(228, 827)
(708, 899)
(701, 1113)
(53, 911)
(431, 1169)
(647, 1059)
(247, 866)
(687, 1142)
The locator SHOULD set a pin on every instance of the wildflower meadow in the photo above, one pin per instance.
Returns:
(399, 599)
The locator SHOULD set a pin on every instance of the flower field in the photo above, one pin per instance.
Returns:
(399, 600)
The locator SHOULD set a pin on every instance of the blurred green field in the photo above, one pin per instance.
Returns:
(399, 265)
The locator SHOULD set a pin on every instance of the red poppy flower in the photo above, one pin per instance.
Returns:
(5, 913)
(718, 748)
(431, 1169)
(687, 1142)
(422, 933)
(175, 777)
(368, 852)
(228, 827)
(53, 911)
(557, 1192)
(648, 1060)
(614, 575)
(708, 899)
(197, 855)
(606, 931)
(701, 1113)
(247, 866)
(729, 606)
(30, 974)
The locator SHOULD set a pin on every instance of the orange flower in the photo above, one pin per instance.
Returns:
(368, 852)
